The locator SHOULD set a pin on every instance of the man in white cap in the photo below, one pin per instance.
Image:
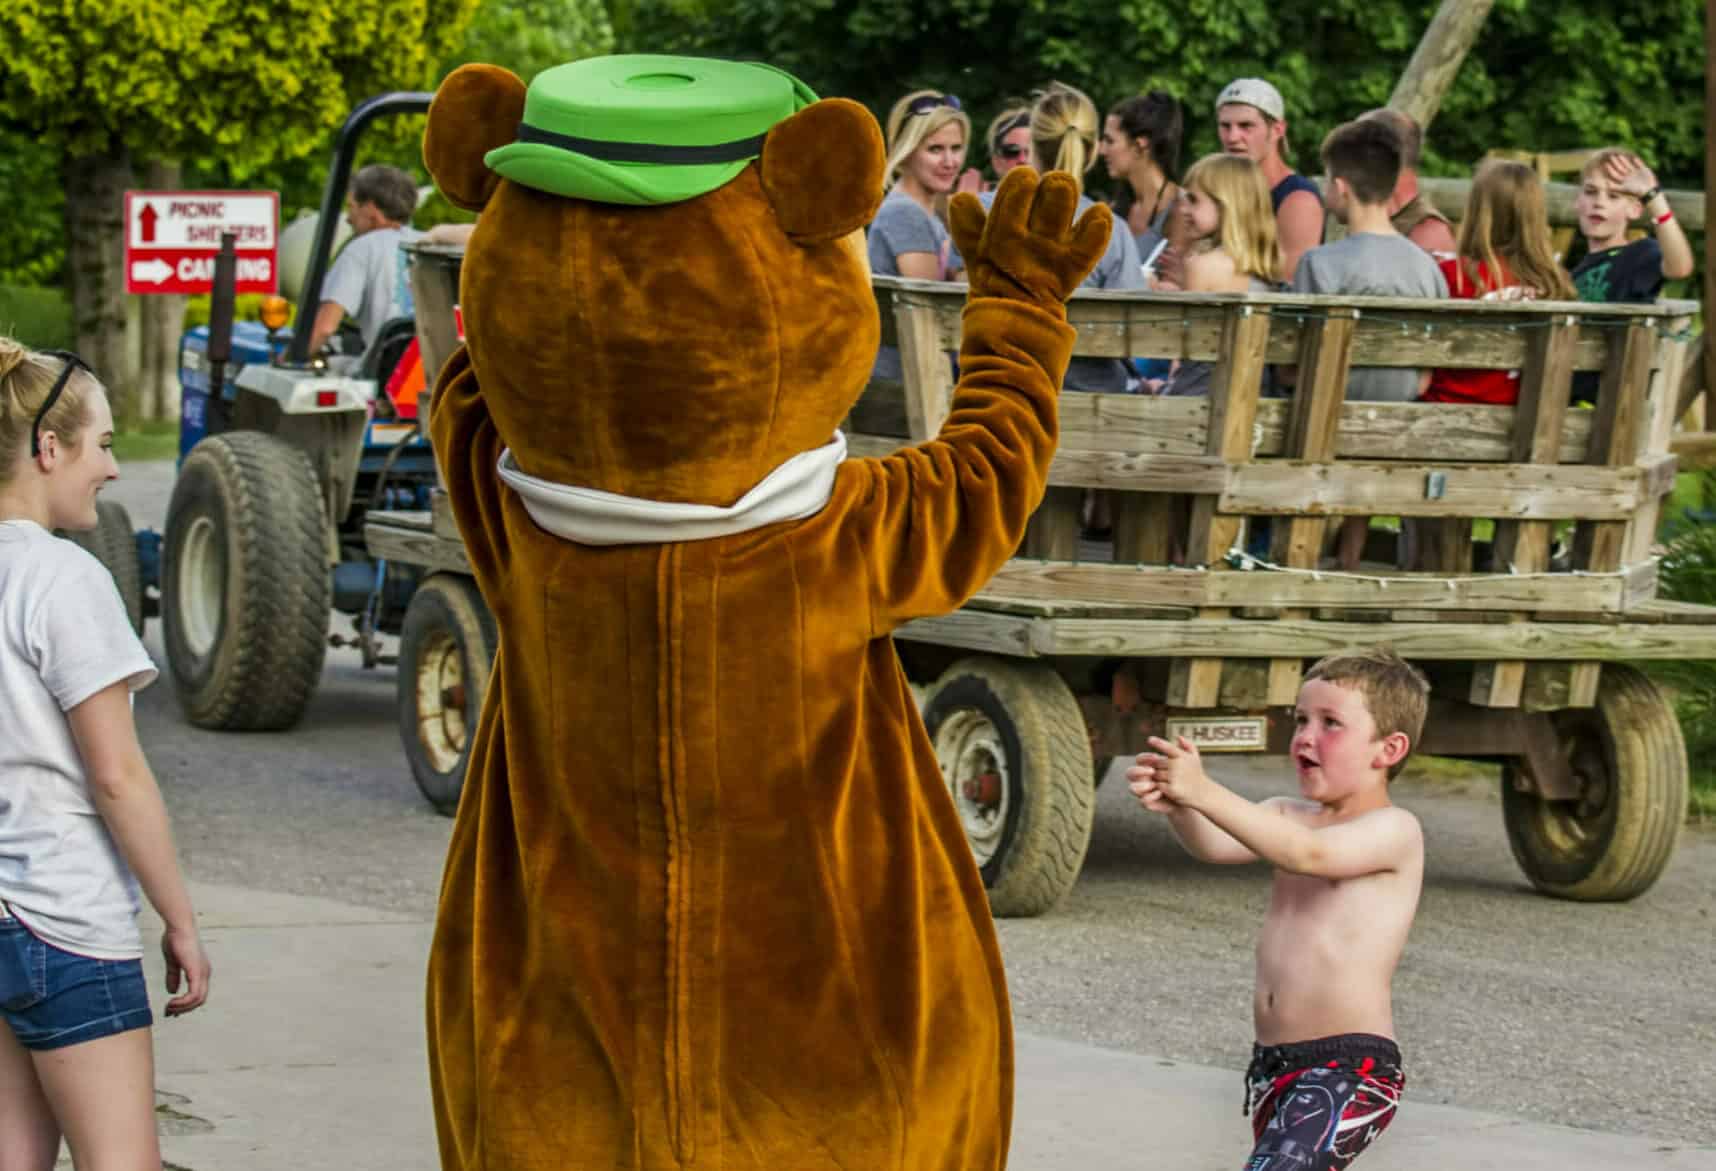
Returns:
(1251, 120)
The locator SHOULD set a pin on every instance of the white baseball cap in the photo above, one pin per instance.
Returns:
(1254, 91)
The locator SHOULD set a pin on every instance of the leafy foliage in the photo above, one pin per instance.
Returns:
(31, 249)
(1687, 573)
(528, 36)
(243, 81)
(1542, 77)
(39, 318)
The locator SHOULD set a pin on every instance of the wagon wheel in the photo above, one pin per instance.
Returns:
(1613, 840)
(446, 654)
(1015, 755)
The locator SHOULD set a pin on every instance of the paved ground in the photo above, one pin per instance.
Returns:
(1584, 1016)
(309, 1058)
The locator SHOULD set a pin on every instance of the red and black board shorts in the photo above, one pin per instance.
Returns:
(1316, 1105)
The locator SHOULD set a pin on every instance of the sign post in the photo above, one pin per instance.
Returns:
(172, 238)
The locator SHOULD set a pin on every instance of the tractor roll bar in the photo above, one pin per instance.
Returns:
(333, 200)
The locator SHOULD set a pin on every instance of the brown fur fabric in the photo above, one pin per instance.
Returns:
(707, 904)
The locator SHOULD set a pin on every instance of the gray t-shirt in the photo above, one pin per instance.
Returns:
(368, 279)
(1368, 264)
(902, 225)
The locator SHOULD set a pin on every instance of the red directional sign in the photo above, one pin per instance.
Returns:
(172, 237)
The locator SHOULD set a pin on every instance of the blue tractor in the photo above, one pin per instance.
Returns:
(283, 454)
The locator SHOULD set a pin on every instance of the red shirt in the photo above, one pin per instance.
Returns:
(1474, 386)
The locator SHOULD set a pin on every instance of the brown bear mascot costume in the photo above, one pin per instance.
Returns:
(708, 904)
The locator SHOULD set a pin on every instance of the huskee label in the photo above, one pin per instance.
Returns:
(1223, 733)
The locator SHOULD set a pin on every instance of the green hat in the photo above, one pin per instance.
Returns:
(644, 129)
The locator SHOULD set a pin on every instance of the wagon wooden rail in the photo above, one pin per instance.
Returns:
(1514, 635)
(1186, 618)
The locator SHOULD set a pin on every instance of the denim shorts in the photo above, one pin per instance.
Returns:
(53, 998)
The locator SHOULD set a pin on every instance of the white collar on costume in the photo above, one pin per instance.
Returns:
(796, 489)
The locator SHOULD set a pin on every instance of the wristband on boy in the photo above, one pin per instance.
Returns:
(1664, 218)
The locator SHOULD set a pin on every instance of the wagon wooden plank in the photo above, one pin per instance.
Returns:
(1673, 611)
(1520, 492)
(1200, 638)
(1233, 401)
(1397, 331)
(1314, 416)
(1618, 431)
(414, 543)
(442, 522)
(1544, 387)
(1419, 432)
(1053, 530)
(1146, 584)
(928, 373)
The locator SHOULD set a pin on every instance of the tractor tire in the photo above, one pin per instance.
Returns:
(1015, 757)
(446, 651)
(245, 591)
(113, 543)
(1615, 839)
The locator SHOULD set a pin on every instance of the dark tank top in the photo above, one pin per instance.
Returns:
(1295, 182)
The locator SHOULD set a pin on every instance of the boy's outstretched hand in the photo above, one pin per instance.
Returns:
(1171, 776)
(1027, 248)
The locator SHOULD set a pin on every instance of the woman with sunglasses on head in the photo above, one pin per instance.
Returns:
(1141, 147)
(927, 133)
(82, 822)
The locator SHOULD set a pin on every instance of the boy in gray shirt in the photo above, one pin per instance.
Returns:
(1362, 160)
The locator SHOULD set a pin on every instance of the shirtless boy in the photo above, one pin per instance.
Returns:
(1325, 1074)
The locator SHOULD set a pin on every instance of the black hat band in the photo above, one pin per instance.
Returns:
(645, 152)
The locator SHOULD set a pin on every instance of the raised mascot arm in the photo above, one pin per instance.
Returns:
(947, 513)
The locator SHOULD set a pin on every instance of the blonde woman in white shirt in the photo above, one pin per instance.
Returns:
(82, 822)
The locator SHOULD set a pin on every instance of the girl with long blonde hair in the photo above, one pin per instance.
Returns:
(1229, 224)
(1504, 253)
(926, 134)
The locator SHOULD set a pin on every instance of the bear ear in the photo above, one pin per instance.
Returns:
(822, 170)
(477, 109)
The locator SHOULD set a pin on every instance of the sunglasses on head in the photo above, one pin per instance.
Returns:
(72, 362)
(928, 102)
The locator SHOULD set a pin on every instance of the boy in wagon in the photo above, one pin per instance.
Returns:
(1325, 1075)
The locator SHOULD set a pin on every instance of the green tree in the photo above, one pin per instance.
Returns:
(32, 245)
(108, 84)
(1544, 76)
(528, 36)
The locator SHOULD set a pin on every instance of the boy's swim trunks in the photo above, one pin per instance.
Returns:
(1315, 1105)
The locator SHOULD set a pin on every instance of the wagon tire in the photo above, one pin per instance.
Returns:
(1015, 756)
(113, 543)
(446, 652)
(1615, 839)
(245, 591)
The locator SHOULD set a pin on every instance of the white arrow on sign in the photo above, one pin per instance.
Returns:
(153, 271)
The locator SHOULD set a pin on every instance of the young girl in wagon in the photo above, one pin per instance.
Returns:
(82, 822)
(1504, 253)
(1226, 217)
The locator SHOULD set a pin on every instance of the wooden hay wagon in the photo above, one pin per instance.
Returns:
(1077, 650)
